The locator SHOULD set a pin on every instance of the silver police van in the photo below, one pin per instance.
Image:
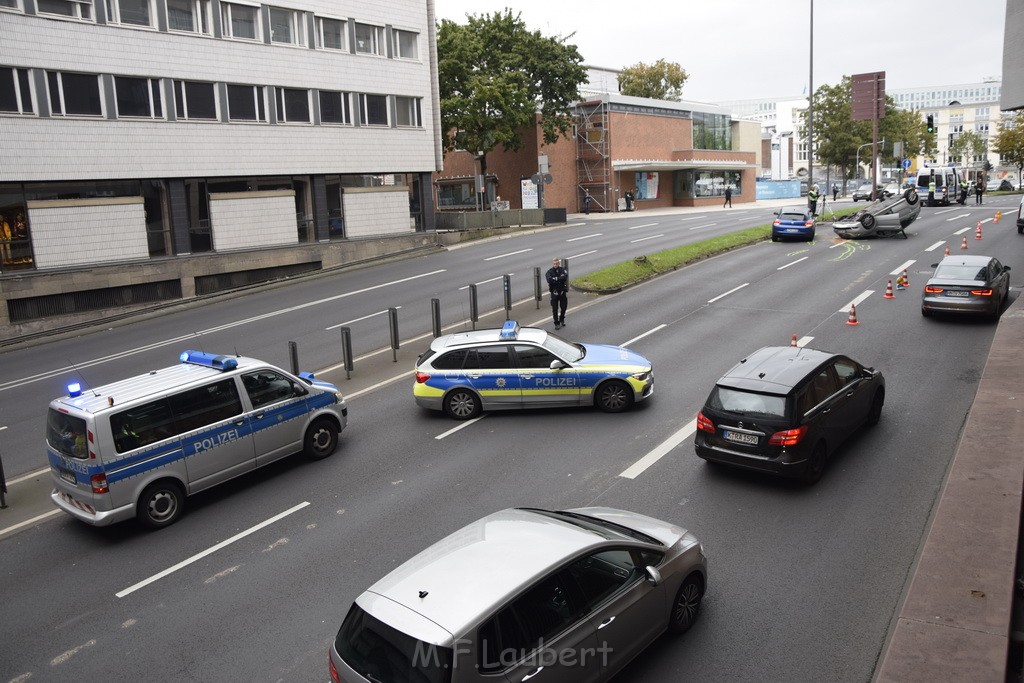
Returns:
(138, 447)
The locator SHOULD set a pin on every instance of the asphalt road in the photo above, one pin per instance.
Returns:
(804, 582)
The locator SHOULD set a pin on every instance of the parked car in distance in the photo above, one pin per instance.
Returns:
(864, 192)
(523, 591)
(793, 221)
(999, 186)
(890, 190)
(884, 218)
(786, 409)
(967, 284)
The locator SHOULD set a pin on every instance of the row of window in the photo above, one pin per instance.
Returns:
(241, 21)
(78, 94)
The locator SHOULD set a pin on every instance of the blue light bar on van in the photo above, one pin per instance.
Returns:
(209, 360)
(510, 330)
(74, 389)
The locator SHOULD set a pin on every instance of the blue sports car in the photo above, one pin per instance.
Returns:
(793, 221)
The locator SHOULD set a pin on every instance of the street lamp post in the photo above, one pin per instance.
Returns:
(866, 144)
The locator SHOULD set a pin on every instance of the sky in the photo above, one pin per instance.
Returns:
(752, 49)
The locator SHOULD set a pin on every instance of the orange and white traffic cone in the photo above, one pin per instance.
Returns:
(792, 342)
(977, 232)
(947, 249)
(852, 320)
(999, 214)
(888, 290)
(963, 245)
(906, 278)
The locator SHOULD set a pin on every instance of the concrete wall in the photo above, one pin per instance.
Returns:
(80, 232)
(376, 211)
(247, 220)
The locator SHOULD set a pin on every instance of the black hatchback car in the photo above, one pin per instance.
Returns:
(785, 409)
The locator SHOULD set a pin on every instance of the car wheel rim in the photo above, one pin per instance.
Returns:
(687, 605)
(462, 405)
(162, 506)
(614, 398)
(322, 441)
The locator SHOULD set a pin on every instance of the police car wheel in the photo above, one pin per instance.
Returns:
(161, 504)
(613, 397)
(321, 439)
(462, 404)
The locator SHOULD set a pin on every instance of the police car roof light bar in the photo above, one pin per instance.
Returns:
(510, 330)
(74, 389)
(209, 360)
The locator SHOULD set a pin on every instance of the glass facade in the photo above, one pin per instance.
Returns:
(696, 184)
(712, 131)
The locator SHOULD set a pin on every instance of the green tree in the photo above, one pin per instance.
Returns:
(1008, 143)
(660, 81)
(965, 147)
(494, 76)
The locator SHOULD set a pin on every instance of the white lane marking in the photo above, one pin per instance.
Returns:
(30, 475)
(585, 237)
(963, 230)
(378, 385)
(987, 220)
(211, 550)
(856, 302)
(511, 253)
(936, 246)
(642, 239)
(458, 427)
(645, 225)
(177, 340)
(793, 263)
(706, 225)
(722, 296)
(939, 213)
(693, 218)
(365, 317)
(956, 218)
(638, 468)
(586, 253)
(647, 333)
(804, 341)
(838, 244)
(37, 518)
(900, 269)
(484, 282)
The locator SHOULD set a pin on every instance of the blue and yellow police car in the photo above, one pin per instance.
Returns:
(527, 367)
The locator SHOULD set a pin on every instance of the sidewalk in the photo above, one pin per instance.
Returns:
(710, 209)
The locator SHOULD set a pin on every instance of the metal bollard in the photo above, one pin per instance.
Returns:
(474, 312)
(537, 293)
(507, 281)
(293, 353)
(393, 325)
(435, 316)
(3, 486)
(346, 351)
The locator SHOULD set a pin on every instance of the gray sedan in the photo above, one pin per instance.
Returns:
(967, 284)
(884, 218)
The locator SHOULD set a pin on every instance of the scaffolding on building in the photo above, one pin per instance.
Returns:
(593, 157)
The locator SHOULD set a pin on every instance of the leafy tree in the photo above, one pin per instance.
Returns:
(1008, 143)
(494, 76)
(660, 81)
(966, 146)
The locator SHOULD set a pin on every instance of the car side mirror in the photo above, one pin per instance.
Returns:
(298, 389)
(1005, 268)
(557, 365)
(652, 576)
(777, 213)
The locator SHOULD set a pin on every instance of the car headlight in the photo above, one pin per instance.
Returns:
(642, 376)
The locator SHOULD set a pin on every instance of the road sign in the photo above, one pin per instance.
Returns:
(906, 163)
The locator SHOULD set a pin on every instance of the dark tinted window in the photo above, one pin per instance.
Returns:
(488, 358)
(195, 100)
(334, 107)
(197, 408)
(453, 360)
(380, 652)
(66, 434)
(846, 370)
(600, 575)
(534, 356)
(266, 386)
(822, 386)
(747, 402)
(142, 425)
(133, 97)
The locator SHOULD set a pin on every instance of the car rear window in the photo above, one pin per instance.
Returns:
(961, 272)
(66, 434)
(747, 402)
(382, 653)
(791, 216)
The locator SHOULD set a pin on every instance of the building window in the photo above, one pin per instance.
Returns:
(373, 110)
(193, 100)
(240, 21)
(981, 129)
(75, 9)
(246, 103)
(330, 34)
(369, 39)
(134, 12)
(981, 112)
(286, 26)
(405, 45)
(138, 97)
(10, 4)
(292, 105)
(334, 107)
(192, 16)
(407, 112)
(15, 91)
(74, 94)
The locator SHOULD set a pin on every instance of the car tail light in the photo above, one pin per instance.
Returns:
(788, 437)
(933, 290)
(981, 292)
(99, 483)
(809, 224)
(421, 377)
(704, 424)
(334, 671)
(776, 222)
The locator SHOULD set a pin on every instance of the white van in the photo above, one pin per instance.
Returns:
(947, 183)
(138, 447)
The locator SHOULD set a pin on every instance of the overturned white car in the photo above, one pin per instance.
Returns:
(883, 218)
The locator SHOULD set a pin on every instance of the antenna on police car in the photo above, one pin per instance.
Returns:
(87, 383)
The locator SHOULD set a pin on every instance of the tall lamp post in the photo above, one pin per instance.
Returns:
(810, 110)
(866, 144)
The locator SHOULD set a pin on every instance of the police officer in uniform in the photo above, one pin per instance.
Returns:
(558, 285)
(931, 191)
(812, 200)
(964, 185)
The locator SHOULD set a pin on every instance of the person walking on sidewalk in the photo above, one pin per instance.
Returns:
(586, 202)
(835, 191)
(728, 197)
(558, 285)
(978, 189)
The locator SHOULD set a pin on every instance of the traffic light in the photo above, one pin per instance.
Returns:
(931, 123)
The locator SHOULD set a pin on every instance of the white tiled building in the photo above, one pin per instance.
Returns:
(141, 129)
